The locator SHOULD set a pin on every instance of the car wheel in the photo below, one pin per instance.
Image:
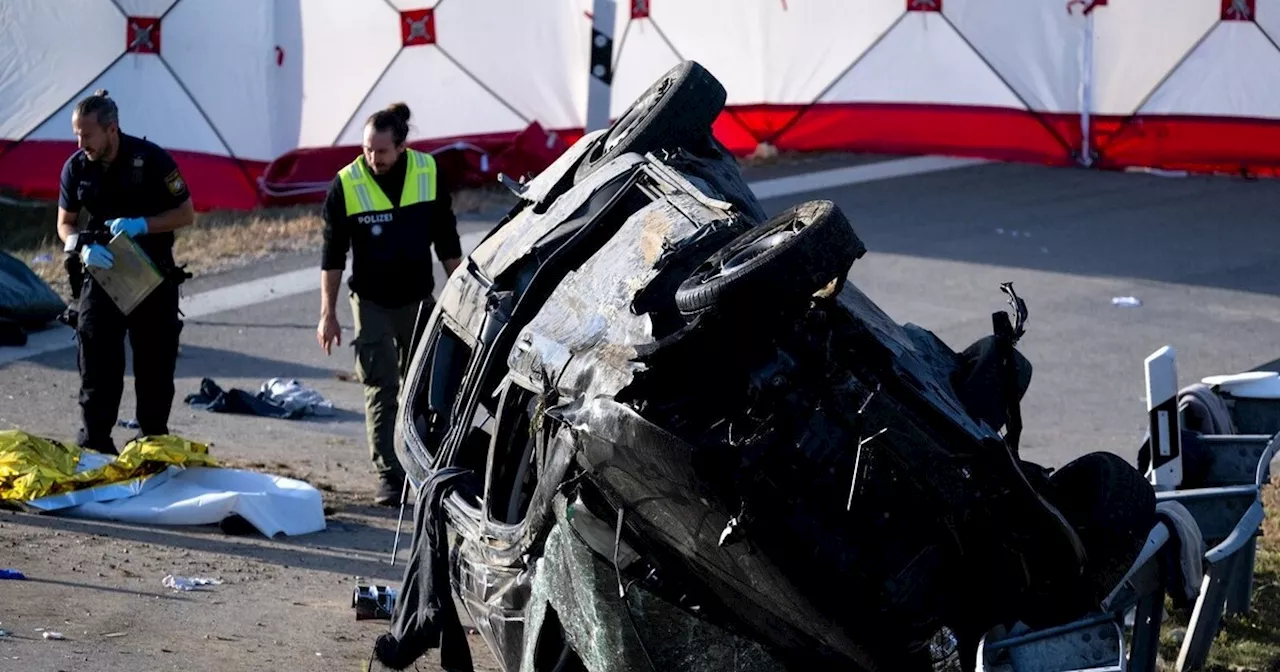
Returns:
(677, 109)
(786, 259)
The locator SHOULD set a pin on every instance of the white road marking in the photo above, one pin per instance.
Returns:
(293, 283)
(871, 172)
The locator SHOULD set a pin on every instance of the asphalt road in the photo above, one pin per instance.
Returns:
(1200, 253)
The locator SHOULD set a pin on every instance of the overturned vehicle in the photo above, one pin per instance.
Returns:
(652, 428)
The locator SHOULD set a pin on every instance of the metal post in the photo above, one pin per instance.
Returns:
(599, 90)
(1086, 92)
(1165, 472)
(404, 499)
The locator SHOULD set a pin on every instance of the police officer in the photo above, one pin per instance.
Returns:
(389, 208)
(129, 186)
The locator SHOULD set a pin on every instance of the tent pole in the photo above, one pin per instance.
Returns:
(1086, 93)
(599, 89)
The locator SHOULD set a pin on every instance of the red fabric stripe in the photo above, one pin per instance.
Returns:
(988, 132)
(32, 168)
(1196, 144)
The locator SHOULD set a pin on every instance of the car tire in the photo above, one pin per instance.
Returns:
(786, 259)
(677, 109)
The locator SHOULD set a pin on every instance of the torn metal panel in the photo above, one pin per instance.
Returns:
(584, 338)
(916, 355)
(576, 589)
(542, 186)
(674, 505)
(520, 237)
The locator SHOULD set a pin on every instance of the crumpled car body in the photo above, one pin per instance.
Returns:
(698, 446)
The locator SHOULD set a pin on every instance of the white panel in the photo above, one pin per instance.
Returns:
(1138, 42)
(222, 50)
(346, 44)
(150, 8)
(536, 68)
(644, 58)
(923, 60)
(49, 51)
(407, 5)
(151, 104)
(1269, 18)
(733, 50)
(1213, 82)
(285, 102)
(809, 43)
(445, 102)
(1036, 46)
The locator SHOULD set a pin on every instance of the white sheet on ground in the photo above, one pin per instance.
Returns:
(206, 496)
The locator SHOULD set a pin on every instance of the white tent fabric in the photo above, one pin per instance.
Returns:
(230, 85)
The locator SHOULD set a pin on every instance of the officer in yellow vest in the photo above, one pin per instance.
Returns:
(388, 207)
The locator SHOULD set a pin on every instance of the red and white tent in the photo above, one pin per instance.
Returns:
(263, 100)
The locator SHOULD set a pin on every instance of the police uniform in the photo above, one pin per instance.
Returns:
(389, 222)
(142, 181)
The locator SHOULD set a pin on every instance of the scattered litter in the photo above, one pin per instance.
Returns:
(111, 635)
(188, 583)
(4, 633)
(53, 635)
(373, 602)
(43, 259)
(12, 575)
(1126, 301)
(128, 424)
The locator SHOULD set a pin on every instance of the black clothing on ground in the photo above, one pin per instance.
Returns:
(425, 616)
(214, 399)
(142, 181)
(393, 267)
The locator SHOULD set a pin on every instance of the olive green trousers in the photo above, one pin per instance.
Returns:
(382, 340)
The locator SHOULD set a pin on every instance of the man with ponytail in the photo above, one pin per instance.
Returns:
(389, 209)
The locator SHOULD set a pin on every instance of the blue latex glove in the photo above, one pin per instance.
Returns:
(132, 226)
(97, 255)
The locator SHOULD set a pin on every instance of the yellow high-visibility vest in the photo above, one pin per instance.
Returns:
(362, 193)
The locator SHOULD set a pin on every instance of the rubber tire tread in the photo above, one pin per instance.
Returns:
(683, 115)
(822, 251)
(1113, 509)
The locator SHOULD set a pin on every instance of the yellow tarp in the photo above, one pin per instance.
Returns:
(32, 467)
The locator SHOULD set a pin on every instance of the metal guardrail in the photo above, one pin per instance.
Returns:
(1227, 508)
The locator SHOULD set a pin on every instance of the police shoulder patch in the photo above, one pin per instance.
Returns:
(175, 183)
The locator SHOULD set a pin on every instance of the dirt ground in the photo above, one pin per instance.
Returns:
(282, 604)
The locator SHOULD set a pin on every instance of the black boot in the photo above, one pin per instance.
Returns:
(389, 490)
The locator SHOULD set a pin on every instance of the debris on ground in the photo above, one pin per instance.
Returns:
(277, 398)
(188, 583)
(11, 575)
(1126, 301)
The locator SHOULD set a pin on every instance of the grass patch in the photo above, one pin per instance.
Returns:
(218, 240)
(1250, 642)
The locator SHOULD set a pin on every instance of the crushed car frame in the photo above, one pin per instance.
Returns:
(652, 427)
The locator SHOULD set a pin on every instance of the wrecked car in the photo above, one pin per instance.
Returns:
(652, 427)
